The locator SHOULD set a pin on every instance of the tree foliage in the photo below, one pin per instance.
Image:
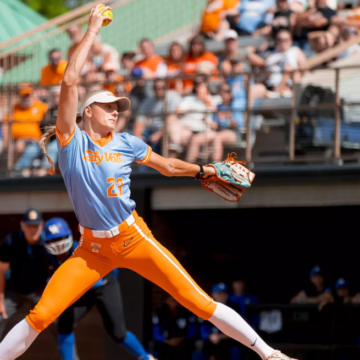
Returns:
(53, 8)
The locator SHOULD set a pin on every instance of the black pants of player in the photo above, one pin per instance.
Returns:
(13, 301)
(108, 300)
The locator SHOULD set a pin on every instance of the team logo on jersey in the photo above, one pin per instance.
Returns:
(97, 158)
(95, 247)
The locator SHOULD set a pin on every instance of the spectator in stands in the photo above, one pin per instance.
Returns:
(316, 292)
(152, 65)
(320, 20)
(241, 297)
(26, 115)
(194, 119)
(214, 19)
(174, 329)
(126, 116)
(76, 34)
(285, 57)
(342, 293)
(347, 34)
(198, 61)
(127, 63)
(252, 15)
(224, 131)
(53, 73)
(217, 345)
(23, 266)
(233, 55)
(175, 63)
(103, 55)
(284, 18)
(150, 127)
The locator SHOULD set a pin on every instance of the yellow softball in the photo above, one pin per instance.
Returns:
(106, 13)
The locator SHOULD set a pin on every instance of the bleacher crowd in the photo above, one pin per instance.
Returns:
(199, 96)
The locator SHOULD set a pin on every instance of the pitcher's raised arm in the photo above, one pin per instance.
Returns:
(69, 95)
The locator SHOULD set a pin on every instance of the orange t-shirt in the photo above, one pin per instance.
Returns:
(173, 70)
(119, 79)
(151, 64)
(211, 16)
(27, 121)
(192, 65)
(49, 76)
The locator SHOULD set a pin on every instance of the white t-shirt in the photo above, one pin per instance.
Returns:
(277, 61)
(199, 120)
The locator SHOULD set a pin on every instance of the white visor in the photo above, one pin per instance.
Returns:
(59, 247)
(106, 97)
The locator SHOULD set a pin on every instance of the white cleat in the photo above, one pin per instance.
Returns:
(151, 357)
(278, 355)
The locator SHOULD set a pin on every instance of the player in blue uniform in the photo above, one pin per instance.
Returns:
(105, 294)
(96, 167)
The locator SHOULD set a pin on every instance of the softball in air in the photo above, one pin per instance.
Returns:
(106, 13)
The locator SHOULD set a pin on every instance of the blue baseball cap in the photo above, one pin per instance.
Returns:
(219, 288)
(136, 72)
(341, 283)
(58, 236)
(316, 270)
(32, 217)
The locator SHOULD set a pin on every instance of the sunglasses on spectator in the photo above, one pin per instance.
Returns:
(350, 31)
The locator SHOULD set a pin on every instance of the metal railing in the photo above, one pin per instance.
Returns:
(301, 330)
(256, 143)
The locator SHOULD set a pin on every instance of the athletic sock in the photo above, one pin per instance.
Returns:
(66, 344)
(233, 325)
(133, 345)
(17, 341)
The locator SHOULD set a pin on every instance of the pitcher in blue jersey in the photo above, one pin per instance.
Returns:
(105, 294)
(95, 164)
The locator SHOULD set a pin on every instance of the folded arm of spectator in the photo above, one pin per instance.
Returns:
(230, 12)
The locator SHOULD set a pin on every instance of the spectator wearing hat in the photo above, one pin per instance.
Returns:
(149, 124)
(53, 73)
(214, 19)
(316, 292)
(232, 54)
(25, 116)
(151, 66)
(342, 292)
(23, 266)
(198, 61)
(215, 344)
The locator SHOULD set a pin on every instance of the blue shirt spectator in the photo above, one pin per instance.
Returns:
(252, 15)
(240, 297)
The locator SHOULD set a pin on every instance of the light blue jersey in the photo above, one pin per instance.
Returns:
(97, 177)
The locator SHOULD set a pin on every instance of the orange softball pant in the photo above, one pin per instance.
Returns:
(135, 249)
